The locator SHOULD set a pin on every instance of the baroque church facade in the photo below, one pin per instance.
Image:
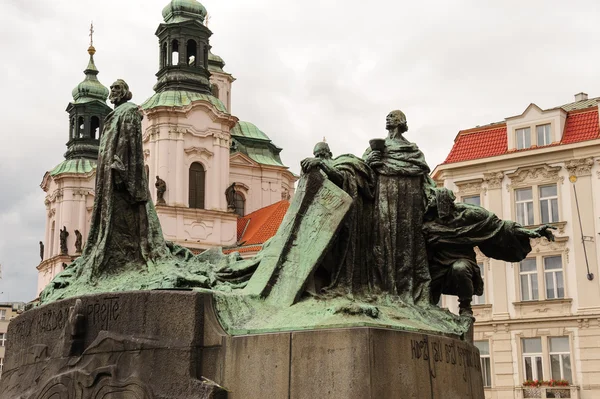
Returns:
(212, 168)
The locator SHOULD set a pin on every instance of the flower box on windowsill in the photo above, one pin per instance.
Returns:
(543, 392)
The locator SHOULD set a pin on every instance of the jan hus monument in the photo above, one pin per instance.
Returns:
(340, 303)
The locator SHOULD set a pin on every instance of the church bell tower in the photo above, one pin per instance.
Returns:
(184, 48)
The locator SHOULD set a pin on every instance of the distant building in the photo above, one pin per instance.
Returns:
(8, 311)
(540, 318)
(191, 141)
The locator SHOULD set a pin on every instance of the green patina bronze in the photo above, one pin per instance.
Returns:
(366, 242)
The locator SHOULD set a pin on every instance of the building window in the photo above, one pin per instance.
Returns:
(532, 358)
(543, 134)
(524, 205)
(560, 358)
(529, 279)
(1, 365)
(192, 52)
(485, 358)
(240, 204)
(2, 314)
(196, 189)
(480, 300)
(2, 339)
(174, 52)
(553, 277)
(523, 138)
(472, 199)
(214, 90)
(549, 203)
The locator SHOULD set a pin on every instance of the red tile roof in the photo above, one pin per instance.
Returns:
(480, 143)
(581, 126)
(258, 226)
(491, 140)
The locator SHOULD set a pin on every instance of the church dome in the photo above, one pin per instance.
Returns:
(90, 89)
(178, 10)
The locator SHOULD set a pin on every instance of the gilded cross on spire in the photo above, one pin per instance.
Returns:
(207, 19)
(92, 34)
(91, 49)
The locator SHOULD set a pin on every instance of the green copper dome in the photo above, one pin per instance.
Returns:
(179, 10)
(215, 63)
(90, 89)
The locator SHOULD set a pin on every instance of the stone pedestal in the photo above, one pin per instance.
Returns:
(169, 345)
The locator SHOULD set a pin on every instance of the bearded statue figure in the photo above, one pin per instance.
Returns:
(125, 233)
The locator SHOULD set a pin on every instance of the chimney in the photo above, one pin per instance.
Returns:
(581, 96)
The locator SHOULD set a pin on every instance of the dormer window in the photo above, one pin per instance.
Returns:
(543, 135)
(523, 138)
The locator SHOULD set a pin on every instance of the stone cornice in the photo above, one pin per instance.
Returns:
(528, 175)
(493, 180)
(468, 187)
(580, 167)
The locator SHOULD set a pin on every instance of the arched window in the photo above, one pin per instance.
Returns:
(191, 53)
(174, 52)
(196, 190)
(240, 204)
(163, 55)
(94, 128)
(80, 126)
(72, 127)
(147, 169)
(215, 90)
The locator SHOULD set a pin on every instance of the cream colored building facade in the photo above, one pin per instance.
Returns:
(540, 318)
(8, 311)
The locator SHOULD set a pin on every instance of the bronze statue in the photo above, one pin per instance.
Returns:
(63, 241)
(400, 257)
(41, 250)
(452, 229)
(78, 241)
(230, 197)
(161, 187)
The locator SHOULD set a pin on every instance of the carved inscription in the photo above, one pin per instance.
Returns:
(329, 199)
(100, 313)
(434, 352)
(103, 312)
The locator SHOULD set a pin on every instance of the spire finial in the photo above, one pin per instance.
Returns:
(324, 141)
(207, 19)
(91, 49)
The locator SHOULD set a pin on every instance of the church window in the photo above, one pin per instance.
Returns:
(192, 52)
(72, 127)
(215, 90)
(80, 126)
(52, 230)
(95, 127)
(174, 52)
(240, 204)
(163, 55)
(197, 184)
(147, 169)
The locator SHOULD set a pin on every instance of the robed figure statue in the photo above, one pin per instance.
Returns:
(125, 233)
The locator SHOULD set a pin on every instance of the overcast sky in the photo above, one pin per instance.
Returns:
(305, 69)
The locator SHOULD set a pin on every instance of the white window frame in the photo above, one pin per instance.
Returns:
(555, 273)
(2, 339)
(533, 356)
(521, 142)
(523, 203)
(547, 134)
(480, 299)
(1, 366)
(530, 275)
(560, 359)
(465, 198)
(2, 314)
(486, 365)
(548, 200)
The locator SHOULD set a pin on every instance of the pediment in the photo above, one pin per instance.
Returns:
(534, 174)
(531, 110)
(201, 151)
(241, 159)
